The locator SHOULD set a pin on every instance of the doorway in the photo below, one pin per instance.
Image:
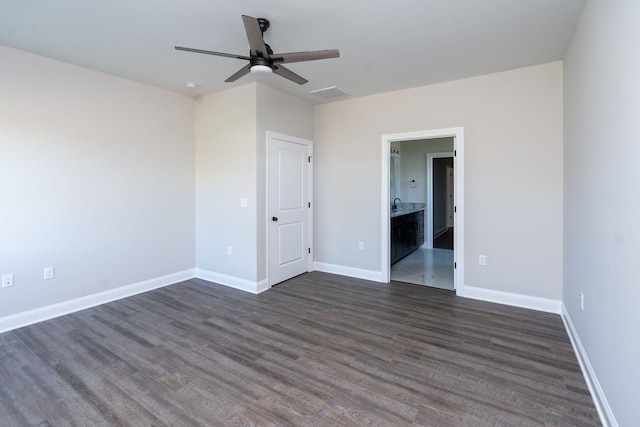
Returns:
(414, 182)
(424, 167)
(289, 225)
(440, 195)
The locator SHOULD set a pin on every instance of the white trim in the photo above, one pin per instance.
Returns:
(274, 135)
(458, 219)
(357, 273)
(516, 300)
(262, 285)
(429, 217)
(599, 399)
(385, 221)
(232, 281)
(30, 317)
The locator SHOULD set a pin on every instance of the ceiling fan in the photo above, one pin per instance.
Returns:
(262, 59)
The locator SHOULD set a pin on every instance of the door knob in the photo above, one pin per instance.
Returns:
(274, 219)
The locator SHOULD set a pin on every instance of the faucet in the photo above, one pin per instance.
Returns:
(394, 203)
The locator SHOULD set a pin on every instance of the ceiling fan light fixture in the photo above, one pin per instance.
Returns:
(261, 69)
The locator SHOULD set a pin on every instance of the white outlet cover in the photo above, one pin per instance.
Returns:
(7, 280)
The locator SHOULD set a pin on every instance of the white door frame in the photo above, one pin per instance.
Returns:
(428, 241)
(458, 220)
(274, 135)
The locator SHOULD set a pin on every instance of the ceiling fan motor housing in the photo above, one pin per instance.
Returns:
(258, 60)
(264, 24)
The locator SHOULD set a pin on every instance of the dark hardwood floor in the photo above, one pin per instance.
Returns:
(318, 349)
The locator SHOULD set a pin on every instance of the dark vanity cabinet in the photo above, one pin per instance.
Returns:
(407, 234)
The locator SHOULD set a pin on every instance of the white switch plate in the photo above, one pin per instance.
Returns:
(244, 203)
(7, 280)
(361, 246)
(229, 250)
(49, 273)
(482, 259)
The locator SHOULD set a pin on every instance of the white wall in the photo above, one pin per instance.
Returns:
(226, 173)
(231, 161)
(96, 179)
(513, 174)
(281, 113)
(601, 204)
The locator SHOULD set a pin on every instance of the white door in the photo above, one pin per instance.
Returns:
(288, 207)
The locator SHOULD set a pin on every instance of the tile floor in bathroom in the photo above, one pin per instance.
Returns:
(430, 267)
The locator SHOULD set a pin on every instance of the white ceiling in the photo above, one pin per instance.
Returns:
(384, 44)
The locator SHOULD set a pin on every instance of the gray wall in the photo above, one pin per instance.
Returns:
(601, 203)
(414, 165)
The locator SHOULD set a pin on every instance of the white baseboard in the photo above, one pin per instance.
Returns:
(599, 399)
(30, 317)
(358, 273)
(517, 300)
(262, 285)
(232, 281)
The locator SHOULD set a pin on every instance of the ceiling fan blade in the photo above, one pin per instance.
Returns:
(210, 52)
(254, 34)
(282, 58)
(241, 72)
(288, 74)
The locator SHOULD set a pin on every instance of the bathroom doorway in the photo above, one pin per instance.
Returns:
(415, 184)
(440, 199)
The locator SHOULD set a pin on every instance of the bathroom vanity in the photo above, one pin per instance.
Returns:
(407, 232)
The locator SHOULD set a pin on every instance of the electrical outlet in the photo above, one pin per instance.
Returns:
(7, 280)
(361, 246)
(229, 250)
(582, 301)
(482, 260)
(49, 273)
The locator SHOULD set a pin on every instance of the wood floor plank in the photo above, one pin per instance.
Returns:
(317, 350)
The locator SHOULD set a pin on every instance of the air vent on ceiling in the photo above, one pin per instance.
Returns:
(329, 92)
